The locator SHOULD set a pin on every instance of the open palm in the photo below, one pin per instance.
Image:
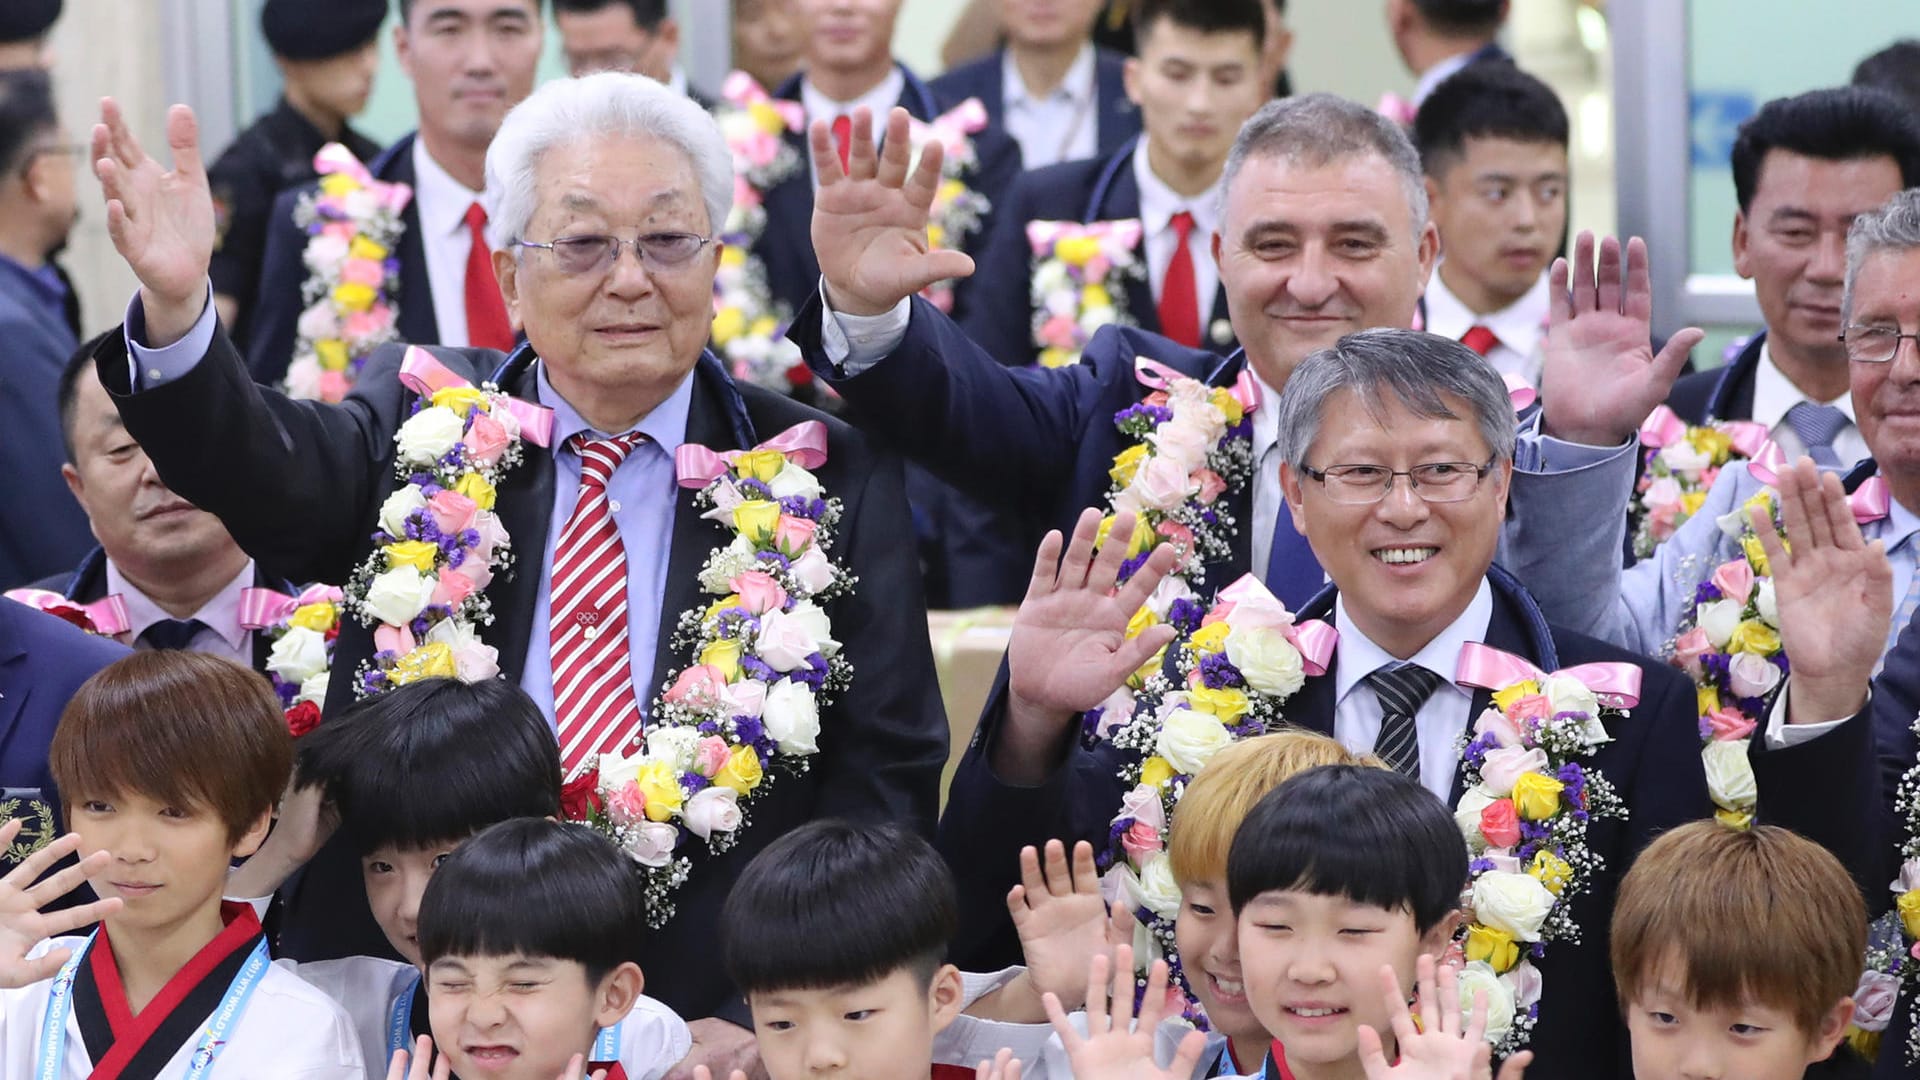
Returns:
(23, 925)
(161, 221)
(1060, 917)
(1115, 1047)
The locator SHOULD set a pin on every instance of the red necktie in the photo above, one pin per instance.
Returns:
(1179, 298)
(1479, 339)
(843, 139)
(593, 699)
(487, 325)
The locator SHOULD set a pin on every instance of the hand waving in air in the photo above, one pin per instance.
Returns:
(23, 925)
(1115, 1047)
(1449, 1044)
(161, 221)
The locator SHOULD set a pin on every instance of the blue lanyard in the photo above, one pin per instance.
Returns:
(606, 1045)
(53, 1035)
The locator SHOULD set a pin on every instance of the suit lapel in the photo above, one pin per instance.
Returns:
(1112, 108)
(417, 323)
(694, 538)
(15, 686)
(1122, 201)
(525, 507)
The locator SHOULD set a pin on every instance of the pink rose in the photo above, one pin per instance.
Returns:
(712, 810)
(1503, 730)
(486, 439)
(1155, 399)
(493, 537)
(744, 698)
(650, 843)
(334, 386)
(1752, 676)
(1662, 520)
(759, 593)
(1689, 647)
(1663, 491)
(362, 272)
(710, 756)
(1219, 612)
(1185, 445)
(1729, 724)
(1180, 536)
(1140, 840)
(1873, 1000)
(1502, 767)
(1500, 824)
(451, 588)
(474, 569)
(397, 640)
(1531, 707)
(1059, 332)
(793, 535)
(785, 641)
(452, 511)
(628, 805)
(698, 687)
(362, 325)
(475, 662)
(1096, 268)
(812, 571)
(1162, 483)
(1527, 984)
(1734, 580)
(1211, 485)
(1143, 805)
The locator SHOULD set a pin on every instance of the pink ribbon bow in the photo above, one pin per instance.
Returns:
(1120, 234)
(1519, 391)
(335, 158)
(1314, 638)
(1396, 108)
(1616, 684)
(964, 119)
(1663, 427)
(804, 444)
(422, 373)
(742, 91)
(261, 608)
(1871, 501)
(1153, 373)
(106, 617)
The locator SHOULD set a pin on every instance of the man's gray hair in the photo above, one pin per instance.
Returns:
(608, 103)
(1318, 129)
(1415, 367)
(1893, 227)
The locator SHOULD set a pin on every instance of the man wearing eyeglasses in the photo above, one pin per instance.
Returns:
(612, 188)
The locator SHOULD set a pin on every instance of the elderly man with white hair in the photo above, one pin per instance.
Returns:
(708, 594)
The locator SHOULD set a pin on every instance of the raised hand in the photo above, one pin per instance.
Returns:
(307, 819)
(1115, 1047)
(1446, 1046)
(1003, 1066)
(1834, 591)
(23, 925)
(1061, 918)
(870, 220)
(421, 1065)
(701, 1072)
(161, 221)
(1601, 377)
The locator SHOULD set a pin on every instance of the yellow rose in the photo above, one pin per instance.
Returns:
(1126, 463)
(475, 487)
(318, 618)
(1143, 536)
(1756, 555)
(1755, 637)
(723, 653)
(433, 661)
(1909, 907)
(461, 399)
(337, 184)
(1706, 700)
(660, 783)
(1095, 296)
(764, 326)
(1692, 501)
(1716, 445)
(733, 256)
(419, 554)
(353, 297)
(1227, 703)
(936, 236)
(1537, 797)
(1504, 699)
(1141, 621)
(1760, 500)
(741, 772)
(1148, 670)
(728, 323)
(1076, 250)
(1210, 639)
(1550, 870)
(364, 248)
(1734, 819)
(767, 118)
(1495, 947)
(332, 354)
(1155, 771)
(720, 605)
(761, 465)
(756, 519)
(1054, 356)
(1228, 405)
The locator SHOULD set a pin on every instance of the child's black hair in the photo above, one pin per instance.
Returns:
(834, 903)
(432, 762)
(538, 888)
(1370, 835)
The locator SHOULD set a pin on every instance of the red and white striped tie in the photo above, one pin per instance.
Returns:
(593, 699)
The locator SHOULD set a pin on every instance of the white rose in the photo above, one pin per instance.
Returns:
(303, 377)
(812, 571)
(813, 619)
(313, 688)
(650, 843)
(1764, 600)
(397, 595)
(1467, 815)
(616, 771)
(393, 513)
(1683, 458)
(1188, 739)
(1051, 277)
(1909, 878)
(1752, 676)
(784, 642)
(1267, 659)
(1505, 765)
(792, 717)
(318, 322)
(1478, 979)
(1515, 903)
(1717, 620)
(1171, 588)
(1729, 774)
(1569, 695)
(1162, 483)
(1662, 491)
(712, 810)
(1158, 891)
(1143, 804)
(325, 253)
(674, 744)
(1092, 319)
(792, 481)
(299, 654)
(1526, 982)
(428, 434)
(1185, 445)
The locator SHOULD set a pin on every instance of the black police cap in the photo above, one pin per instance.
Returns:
(304, 30)
(24, 20)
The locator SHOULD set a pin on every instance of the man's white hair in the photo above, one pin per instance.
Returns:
(606, 104)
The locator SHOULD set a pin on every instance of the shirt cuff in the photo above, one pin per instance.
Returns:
(1781, 735)
(149, 367)
(854, 343)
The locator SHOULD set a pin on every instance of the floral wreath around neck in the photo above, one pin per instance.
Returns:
(1679, 465)
(350, 298)
(749, 325)
(1893, 941)
(1080, 275)
(303, 630)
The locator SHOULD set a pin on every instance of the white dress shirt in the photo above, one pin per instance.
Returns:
(1520, 328)
(1357, 713)
(881, 99)
(1158, 204)
(1269, 501)
(1774, 394)
(442, 203)
(1058, 127)
(223, 636)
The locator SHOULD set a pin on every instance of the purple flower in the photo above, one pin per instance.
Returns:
(1218, 672)
(753, 489)
(693, 781)
(1185, 615)
(748, 729)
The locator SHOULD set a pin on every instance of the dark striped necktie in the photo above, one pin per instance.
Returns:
(1402, 689)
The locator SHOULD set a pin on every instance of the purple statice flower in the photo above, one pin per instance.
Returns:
(756, 668)
(709, 727)
(752, 489)
(801, 506)
(814, 677)
(1132, 566)
(1090, 723)
(1534, 831)
(1480, 866)
(1706, 728)
(775, 558)
(1218, 672)
(693, 782)
(1707, 593)
(1186, 614)
(1209, 517)
(1118, 829)
(1779, 660)
(749, 729)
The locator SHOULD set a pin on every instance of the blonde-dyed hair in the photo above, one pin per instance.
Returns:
(1740, 915)
(1221, 794)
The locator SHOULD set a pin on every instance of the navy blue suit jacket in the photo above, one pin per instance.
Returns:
(42, 528)
(1116, 118)
(1722, 393)
(786, 245)
(283, 271)
(43, 660)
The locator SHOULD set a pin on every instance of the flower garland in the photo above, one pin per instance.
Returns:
(1679, 465)
(353, 225)
(957, 210)
(749, 325)
(439, 541)
(303, 630)
(1893, 942)
(764, 663)
(1079, 282)
(1525, 812)
(106, 617)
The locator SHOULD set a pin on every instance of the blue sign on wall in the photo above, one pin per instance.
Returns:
(1716, 117)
